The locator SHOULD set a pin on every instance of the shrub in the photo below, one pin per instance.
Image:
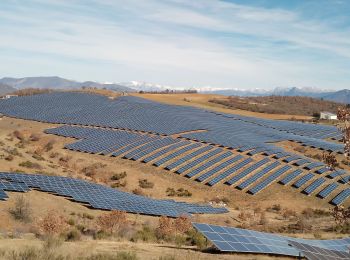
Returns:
(118, 184)
(165, 227)
(34, 137)
(49, 146)
(30, 165)
(112, 221)
(197, 239)
(71, 222)
(73, 235)
(145, 184)
(52, 224)
(22, 210)
(170, 192)
(182, 224)
(9, 158)
(183, 193)
(91, 170)
(138, 192)
(118, 176)
(38, 157)
(146, 234)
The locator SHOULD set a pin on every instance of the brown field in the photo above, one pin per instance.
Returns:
(202, 101)
(279, 104)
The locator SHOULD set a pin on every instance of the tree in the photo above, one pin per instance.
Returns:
(52, 224)
(165, 227)
(112, 221)
(341, 214)
(22, 210)
(182, 224)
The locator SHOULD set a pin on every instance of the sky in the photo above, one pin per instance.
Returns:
(243, 44)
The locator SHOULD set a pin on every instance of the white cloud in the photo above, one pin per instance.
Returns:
(176, 42)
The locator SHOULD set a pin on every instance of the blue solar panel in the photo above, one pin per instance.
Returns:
(262, 185)
(208, 164)
(99, 196)
(258, 175)
(229, 171)
(247, 171)
(303, 180)
(218, 168)
(314, 185)
(327, 190)
(230, 239)
(341, 197)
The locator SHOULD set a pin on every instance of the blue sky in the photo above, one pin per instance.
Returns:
(223, 44)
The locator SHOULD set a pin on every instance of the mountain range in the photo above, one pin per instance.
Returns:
(8, 85)
(57, 83)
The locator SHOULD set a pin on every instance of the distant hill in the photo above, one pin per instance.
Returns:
(292, 105)
(6, 89)
(58, 83)
(341, 96)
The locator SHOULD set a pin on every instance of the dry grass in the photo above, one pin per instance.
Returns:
(202, 101)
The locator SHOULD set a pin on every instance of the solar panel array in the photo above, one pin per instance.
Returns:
(98, 196)
(317, 253)
(230, 239)
(139, 129)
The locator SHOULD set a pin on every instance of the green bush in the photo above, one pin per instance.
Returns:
(118, 176)
(30, 165)
(147, 234)
(197, 239)
(145, 184)
(73, 235)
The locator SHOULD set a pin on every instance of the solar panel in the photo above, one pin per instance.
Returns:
(303, 180)
(341, 197)
(313, 186)
(230, 239)
(327, 190)
(262, 185)
(198, 160)
(247, 171)
(99, 196)
(317, 253)
(218, 168)
(208, 164)
(258, 175)
(229, 171)
(290, 177)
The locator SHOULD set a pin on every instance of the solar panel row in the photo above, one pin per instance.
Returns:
(99, 196)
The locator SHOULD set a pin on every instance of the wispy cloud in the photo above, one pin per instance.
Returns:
(175, 42)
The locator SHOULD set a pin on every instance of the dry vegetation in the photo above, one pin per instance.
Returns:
(279, 105)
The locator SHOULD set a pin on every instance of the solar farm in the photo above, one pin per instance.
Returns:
(206, 148)
(203, 146)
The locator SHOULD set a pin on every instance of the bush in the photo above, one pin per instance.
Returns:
(73, 235)
(118, 184)
(196, 239)
(118, 176)
(145, 184)
(147, 234)
(49, 146)
(112, 221)
(38, 157)
(30, 165)
(34, 137)
(138, 192)
(91, 170)
(181, 192)
(22, 210)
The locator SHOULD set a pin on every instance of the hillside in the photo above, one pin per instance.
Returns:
(340, 96)
(6, 89)
(58, 83)
(279, 104)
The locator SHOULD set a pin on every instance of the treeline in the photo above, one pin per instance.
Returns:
(294, 105)
(169, 91)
